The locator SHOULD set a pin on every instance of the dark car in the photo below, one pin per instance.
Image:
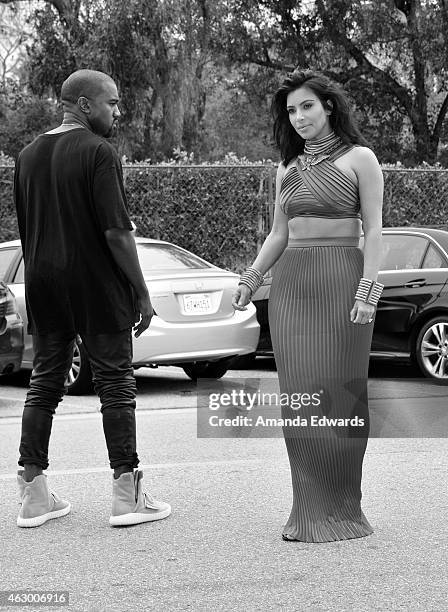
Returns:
(412, 315)
(11, 332)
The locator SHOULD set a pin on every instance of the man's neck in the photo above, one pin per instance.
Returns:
(70, 122)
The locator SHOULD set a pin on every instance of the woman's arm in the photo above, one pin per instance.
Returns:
(273, 246)
(370, 185)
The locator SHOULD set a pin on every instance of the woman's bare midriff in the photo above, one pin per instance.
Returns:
(319, 227)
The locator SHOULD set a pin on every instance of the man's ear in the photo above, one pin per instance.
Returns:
(83, 104)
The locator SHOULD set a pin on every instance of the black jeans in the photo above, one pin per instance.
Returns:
(110, 357)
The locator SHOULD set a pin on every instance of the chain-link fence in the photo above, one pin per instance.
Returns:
(415, 197)
(223, 213)
(219, 212)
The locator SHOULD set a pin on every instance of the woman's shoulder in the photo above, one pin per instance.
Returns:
(363, 149)
(362, 152)
(364, 163)
(362, 157)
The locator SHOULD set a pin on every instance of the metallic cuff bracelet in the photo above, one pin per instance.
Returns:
(252, 278)
(369, 291)
(375, 293)
(363, 289)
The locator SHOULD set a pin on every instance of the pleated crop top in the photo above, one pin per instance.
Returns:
(323, 190)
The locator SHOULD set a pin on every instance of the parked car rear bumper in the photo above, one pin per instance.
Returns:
(237, 335)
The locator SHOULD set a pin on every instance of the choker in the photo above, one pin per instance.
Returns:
(315, 151)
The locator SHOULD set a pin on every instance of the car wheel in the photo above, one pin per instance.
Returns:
(79, 379)
(208, 369)
(431, 349)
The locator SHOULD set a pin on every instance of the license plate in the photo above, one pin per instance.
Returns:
(197, 303)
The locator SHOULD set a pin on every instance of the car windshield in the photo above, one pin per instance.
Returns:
(158, 258)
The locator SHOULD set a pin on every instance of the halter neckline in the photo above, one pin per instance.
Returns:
(322, 145)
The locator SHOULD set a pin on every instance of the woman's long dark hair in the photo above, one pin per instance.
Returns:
(341, 120)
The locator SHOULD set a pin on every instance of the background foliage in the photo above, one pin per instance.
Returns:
(198, 74)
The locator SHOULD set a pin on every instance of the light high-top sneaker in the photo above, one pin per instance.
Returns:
(39, 504)
(130, 505)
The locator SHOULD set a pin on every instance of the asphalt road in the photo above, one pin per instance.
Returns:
(221, 549)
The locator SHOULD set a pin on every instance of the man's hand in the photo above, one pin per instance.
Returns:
(145, 312)
(122, 245)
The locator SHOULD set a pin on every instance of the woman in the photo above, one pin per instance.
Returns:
(323, 298)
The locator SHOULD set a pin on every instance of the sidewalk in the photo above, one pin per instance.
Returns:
(221, 549)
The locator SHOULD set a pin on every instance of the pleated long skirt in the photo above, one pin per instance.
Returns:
(324, 357)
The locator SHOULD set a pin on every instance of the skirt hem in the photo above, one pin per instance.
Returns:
(333, 535)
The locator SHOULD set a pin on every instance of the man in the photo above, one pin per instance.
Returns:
(82, 276)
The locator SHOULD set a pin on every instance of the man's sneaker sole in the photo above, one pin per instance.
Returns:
(36, 521)
(135, 518)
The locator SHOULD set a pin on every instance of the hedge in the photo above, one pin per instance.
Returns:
(223, 213)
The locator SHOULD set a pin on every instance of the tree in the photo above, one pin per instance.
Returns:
(391, 56)
(67, 9)
(156, 51)
(171, 57)
(14, 32)
(23, 116)
(399, 47)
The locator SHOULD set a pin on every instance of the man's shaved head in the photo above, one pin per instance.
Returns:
(91, 98)
(88, 83)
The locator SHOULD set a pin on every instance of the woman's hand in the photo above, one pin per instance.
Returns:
(241, 297)
(362, 313)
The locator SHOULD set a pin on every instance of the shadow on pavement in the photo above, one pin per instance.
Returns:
(20, 379)
(378, 368)
(173, 378)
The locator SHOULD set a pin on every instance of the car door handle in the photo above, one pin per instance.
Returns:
(418, 282)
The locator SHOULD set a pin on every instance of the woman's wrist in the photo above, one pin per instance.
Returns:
(251, 278)
(369, 291)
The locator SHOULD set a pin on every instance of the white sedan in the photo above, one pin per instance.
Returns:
(194, 327)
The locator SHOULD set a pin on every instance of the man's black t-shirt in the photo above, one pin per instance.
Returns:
(68, 190)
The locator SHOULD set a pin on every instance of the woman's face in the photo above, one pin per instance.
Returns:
(307, 115)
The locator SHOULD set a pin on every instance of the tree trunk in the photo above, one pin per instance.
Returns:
(173, 114)
(195, 99)
(425, 146)
(148, 144)
(419, 113)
